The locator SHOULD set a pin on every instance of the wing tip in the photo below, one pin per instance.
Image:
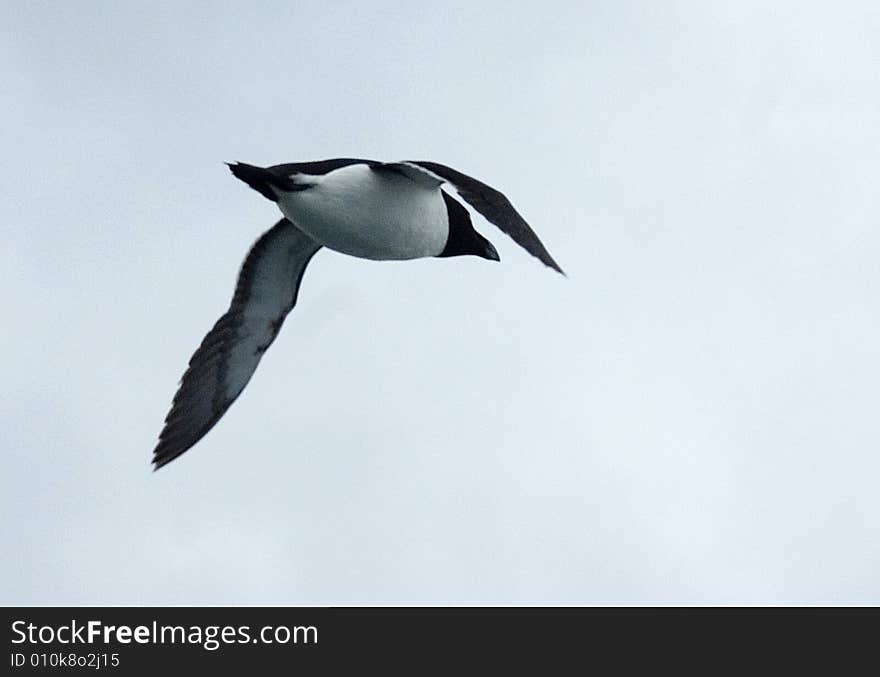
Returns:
(544, 257)
(555, 266)
(163, 455)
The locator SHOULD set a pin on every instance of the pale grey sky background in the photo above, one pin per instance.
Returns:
(691, 416)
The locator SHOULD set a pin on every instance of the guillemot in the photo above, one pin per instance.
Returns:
(373, 210)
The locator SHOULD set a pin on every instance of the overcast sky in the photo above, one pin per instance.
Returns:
(690, 416)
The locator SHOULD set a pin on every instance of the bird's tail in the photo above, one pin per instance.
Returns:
(266, 182)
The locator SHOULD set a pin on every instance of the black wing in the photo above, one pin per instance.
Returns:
(492, 204)
(225, 361)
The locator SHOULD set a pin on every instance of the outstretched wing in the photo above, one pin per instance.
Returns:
(223, 364)
(492, 204)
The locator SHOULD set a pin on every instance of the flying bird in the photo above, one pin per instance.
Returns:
(373, 210)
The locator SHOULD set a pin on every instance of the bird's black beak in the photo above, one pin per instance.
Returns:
(489, 251)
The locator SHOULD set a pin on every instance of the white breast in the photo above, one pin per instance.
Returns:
(373, 215)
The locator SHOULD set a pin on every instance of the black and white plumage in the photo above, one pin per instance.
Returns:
(368, 209)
